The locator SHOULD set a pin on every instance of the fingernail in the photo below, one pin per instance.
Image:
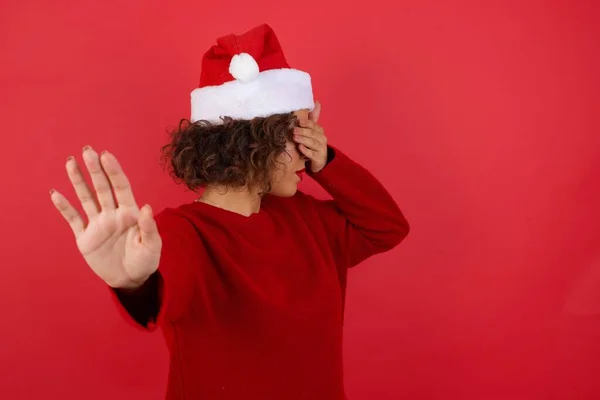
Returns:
(88, 147)
(70, 158)
(52, 192)
(104, 152)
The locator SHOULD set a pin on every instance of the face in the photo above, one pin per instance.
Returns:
(290, 169)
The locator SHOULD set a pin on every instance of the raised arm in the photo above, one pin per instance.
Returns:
(123, 244)
(362, 219)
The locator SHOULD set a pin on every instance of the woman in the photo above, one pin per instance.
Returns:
(248, 282)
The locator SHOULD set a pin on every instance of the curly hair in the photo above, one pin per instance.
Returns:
(233, 153)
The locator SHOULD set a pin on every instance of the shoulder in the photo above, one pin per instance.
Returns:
(175, 219)
(170, 215)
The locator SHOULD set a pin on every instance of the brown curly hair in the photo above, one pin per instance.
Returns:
(233, 153)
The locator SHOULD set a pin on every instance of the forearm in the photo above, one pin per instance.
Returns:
(142, 303)
(364, 202)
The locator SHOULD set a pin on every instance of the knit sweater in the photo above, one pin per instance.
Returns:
(252, 307)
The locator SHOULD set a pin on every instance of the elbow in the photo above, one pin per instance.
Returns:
(399, 232)
(395, 234)
(405, 228)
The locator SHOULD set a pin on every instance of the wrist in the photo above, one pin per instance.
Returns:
(330, 157)
(130, 285)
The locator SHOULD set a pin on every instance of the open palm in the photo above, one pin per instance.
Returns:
(120, 242)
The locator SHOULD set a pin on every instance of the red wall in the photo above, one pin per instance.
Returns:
(481, 119)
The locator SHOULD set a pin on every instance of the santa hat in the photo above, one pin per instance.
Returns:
(246, 76)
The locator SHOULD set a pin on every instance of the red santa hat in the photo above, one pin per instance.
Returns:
(246, 76)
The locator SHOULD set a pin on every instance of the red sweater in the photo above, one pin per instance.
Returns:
(252, 307)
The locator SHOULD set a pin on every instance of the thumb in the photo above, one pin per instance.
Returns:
(148, 229)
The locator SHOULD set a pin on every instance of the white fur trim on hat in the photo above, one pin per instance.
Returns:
(271, 92)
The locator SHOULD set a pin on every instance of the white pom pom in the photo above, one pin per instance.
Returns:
(243, 67)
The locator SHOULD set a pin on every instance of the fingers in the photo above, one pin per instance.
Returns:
(311, 154)
(309, 142)
(148, 229)
(312, 141)
(118, 179)
(69, 213)
(316, 133)
(311, 125)
(88, 202)
(315, 113)
(99, 179)
(311, 136)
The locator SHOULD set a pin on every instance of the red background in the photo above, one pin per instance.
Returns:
(480, 117)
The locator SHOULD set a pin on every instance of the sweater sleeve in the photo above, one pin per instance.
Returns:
(362, 219)
(166, 295)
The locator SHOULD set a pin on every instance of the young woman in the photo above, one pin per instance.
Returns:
(248, 282)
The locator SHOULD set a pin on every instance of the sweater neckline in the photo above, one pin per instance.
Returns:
(229, 216)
